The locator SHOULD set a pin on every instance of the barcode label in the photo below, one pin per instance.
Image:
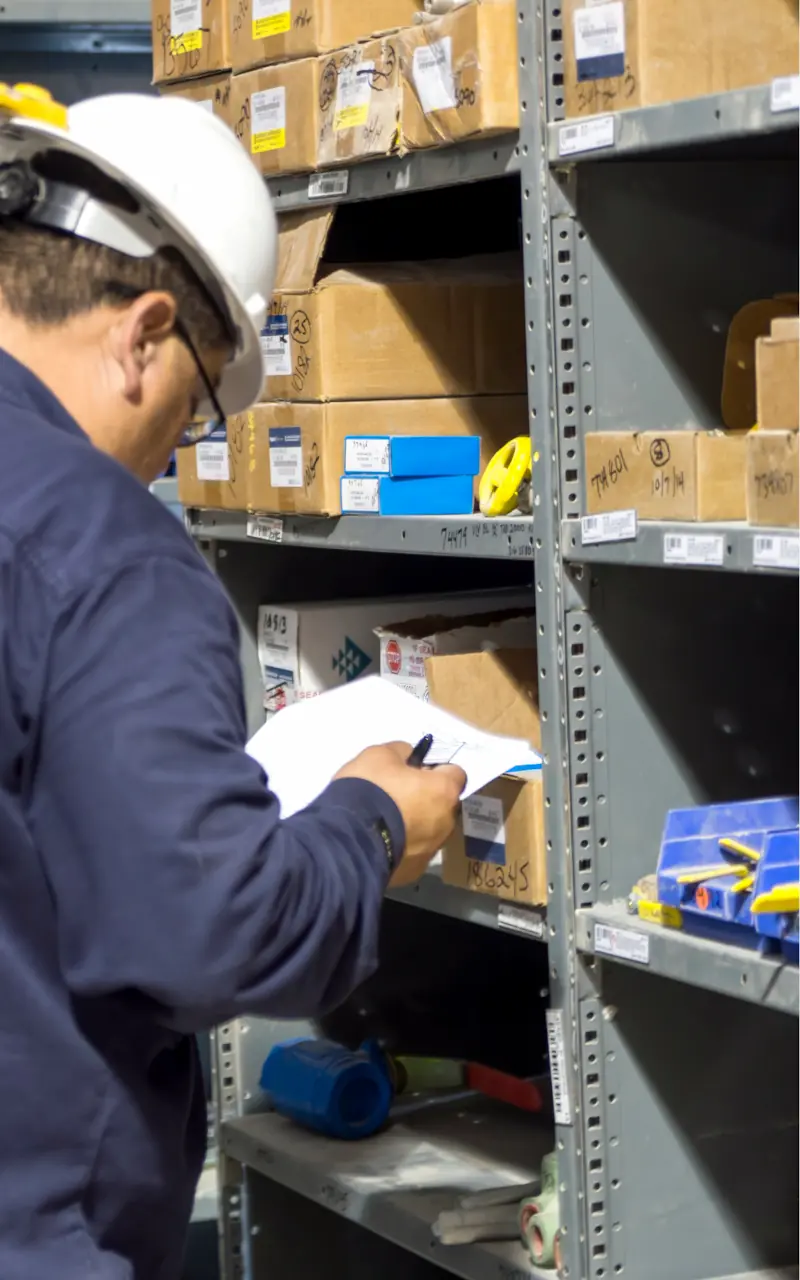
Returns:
(323, 186)
(784, 94)
(612, 526)
(773, 551)
(694, 548)
(562, 1107)
(624, 944)
(586, 135)
(518, 920)
(265, 528)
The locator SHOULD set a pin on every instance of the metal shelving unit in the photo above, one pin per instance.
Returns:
(675, 1058)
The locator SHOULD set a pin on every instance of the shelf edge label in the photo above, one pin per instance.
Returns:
(328, 186)
(520, 920)
(776, 551)
(611, 526)
(694, 548)
(622, 944)
(586, 135)
(784, 94)
(562, 1104)
(265, 529)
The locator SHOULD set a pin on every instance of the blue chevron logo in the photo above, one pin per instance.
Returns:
(351, 661)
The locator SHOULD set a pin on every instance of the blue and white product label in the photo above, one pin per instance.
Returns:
(366, 455)
(276, 347)
(278, 655)
(211, 457)
(285, 458)
(600, 40)
(483, 821)
(361, 494)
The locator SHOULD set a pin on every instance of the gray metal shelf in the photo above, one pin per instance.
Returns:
(701, 962)
(739, 113)
(397, 175)
(509, 539)
(736, 547)
(398, 1182)
(432, 894)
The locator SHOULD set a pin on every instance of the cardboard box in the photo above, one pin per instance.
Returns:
(407, 645)
(266, 31)
(276, 116)
(191, 38)
(752, 321)
(359, 99)
(498, 846)
(636, 53)
(460, 75)
(282, 474)
(214, 473)
(671, 475)
(380, 332)
(496, 690)
(778, 377)
(305, 649)
(773, 484)
(212, 92)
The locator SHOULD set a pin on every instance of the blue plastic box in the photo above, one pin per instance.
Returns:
(412, 457)
(780, 864)
(427, 496)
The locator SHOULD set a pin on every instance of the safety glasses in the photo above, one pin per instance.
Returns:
(201, 426)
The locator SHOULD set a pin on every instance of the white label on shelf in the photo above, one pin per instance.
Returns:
(600, 31)
(361, 494)
(324, 186)
(285, 458)
(276, 347)
(694, 548)
(433, 75)
(776, 551)
(211, 457)
(520, 920)
(268, 120)
(586, 135)
(625, 944)
(562, 1106)
(367, 454)
(265, 528)
(784, 94)
(611, 526)
(353, 95)
(185, 16)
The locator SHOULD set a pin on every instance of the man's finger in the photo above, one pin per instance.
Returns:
(452, 776)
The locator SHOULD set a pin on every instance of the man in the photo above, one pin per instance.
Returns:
(148, 888)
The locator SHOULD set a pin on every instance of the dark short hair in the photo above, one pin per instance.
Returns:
(47, 278)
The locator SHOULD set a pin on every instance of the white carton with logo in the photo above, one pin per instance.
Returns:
(304, 649)
(405, 644)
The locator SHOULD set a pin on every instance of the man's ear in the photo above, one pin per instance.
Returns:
(137, 334)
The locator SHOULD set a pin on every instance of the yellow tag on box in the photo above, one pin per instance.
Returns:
(277, 25)
(275, 140)
(191, 42)
(660, 913)
(351, 118)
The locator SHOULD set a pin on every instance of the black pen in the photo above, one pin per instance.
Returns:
(417, 758)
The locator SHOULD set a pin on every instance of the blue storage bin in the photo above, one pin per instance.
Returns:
(409, 457)
(387, 496)
(325, 1087)
(779, 865)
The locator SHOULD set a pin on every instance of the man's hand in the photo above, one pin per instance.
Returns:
(427, 799)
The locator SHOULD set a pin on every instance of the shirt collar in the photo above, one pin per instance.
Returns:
(20, 387)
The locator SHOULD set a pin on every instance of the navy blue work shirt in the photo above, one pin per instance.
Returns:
(148, 889)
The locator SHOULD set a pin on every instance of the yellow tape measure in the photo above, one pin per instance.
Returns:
(505, 477)
(32, 103)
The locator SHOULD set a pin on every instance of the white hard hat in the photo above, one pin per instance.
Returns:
(194, 189)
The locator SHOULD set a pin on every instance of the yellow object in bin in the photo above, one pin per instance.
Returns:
(506, 477)
(783, 899)
(33, 103)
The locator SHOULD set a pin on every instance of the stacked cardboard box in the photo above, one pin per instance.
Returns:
(638, 53)
(773, 477)
(191, 52)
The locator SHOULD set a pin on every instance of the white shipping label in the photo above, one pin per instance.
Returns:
(276, 347)
(322, 186)
(353, 93)
(212, 460)
(694, 548)
(611, 526)
(784, 94)
(625, 944)
(268, 120)
(587, 135)
(776, 551)
(433, 75)
(361, 495)
(185, 16)
(285, 458)
(368, 455)
(600, 31)
(483, 819)
(265, 528)
(518, 920)
(562, 1106)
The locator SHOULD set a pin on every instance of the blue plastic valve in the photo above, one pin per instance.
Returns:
(322, 1086)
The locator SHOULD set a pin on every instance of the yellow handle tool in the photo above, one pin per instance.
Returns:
(507, 473)
(33, 103)
(783, 899)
